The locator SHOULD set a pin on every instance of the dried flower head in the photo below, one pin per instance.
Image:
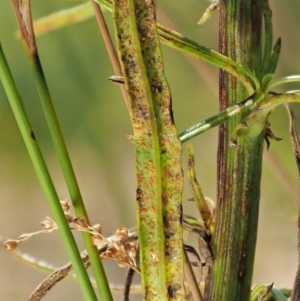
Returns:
(10, 244)
(96, 228)
(48, 224)
(122, 264)
(80, 222)
(98, 241)
(122, 234)
(66, 205)
(69, 216)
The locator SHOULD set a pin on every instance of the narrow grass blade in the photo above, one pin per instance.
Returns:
(282, 81)
(23, 14)
(63, 18)
(244, 109)
(45, 179)
(271, 68)
(247, 78)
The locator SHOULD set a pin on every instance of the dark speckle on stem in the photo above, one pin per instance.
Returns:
(32, 135)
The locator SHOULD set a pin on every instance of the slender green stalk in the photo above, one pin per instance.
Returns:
(239, 170)
(283, 80)
(28, 38)
(275, 100)
(45, 179)
(213, 57)
(158, 152)
(245, 108)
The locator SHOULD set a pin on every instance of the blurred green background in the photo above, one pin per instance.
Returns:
(95, 123)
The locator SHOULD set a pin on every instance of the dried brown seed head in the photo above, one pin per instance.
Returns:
(69, 216)
(81, 222)
(98, 240)
(122, 234)
(65, 205)
(123, 264)
(48, 224)
(10, 244)
(97, 228)
(106, 255)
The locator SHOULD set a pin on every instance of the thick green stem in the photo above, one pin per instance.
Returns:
(157, 151)
(239, 170)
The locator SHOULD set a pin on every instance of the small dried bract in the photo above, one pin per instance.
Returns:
(48, 225)
(209, 12)
(66, 205)
(122, 247)
(10, 244)
(80, 223)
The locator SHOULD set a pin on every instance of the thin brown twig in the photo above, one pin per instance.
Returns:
(127, 284)
(110, 48)
(191, 278)
(41, 290)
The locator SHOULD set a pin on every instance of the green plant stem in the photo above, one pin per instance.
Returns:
(245, 108)
(213, 57)
(157, 150)
(69, 175)
(45, 179)
(239, 170)
(283, 80)
(23, 14)
(148, 172)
